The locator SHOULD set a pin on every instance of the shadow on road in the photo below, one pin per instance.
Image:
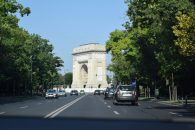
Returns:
(8, 100)
(30, 123)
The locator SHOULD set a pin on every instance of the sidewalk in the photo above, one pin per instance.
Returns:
(190, 103)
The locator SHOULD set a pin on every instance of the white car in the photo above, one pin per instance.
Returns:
(62, 93)
(51, 94)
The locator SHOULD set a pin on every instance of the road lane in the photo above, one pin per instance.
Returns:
(33, 108)
(89, 107)
(59, 110)
(92, 106)
(92, 112)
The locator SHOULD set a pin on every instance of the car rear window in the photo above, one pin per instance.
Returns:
(126, 88)
(51, 91)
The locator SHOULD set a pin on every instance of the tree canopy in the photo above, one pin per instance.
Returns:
(27, 61)
(156, 45)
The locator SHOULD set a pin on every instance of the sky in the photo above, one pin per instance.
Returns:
(70, 23)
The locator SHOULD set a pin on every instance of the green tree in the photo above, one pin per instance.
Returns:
(185, 31)
(26, 60)
(68, 79)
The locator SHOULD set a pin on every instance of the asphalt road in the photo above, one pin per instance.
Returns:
(85, 107)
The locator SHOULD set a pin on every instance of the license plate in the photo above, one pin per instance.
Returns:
(127, 94)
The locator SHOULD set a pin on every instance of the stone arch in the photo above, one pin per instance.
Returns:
(84, 74)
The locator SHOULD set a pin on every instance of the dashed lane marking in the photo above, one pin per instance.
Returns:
(115, 112)
(39, 103)
(173, 113)
(23, 107)
(109, 106)
(105, 102)
(1, 113)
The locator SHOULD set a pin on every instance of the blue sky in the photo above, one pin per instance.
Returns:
(70, 23)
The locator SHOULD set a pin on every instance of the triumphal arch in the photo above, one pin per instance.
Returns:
(89, 67)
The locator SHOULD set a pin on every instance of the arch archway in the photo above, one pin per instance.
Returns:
(84, 74)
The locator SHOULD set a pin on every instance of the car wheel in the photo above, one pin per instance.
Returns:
(115, 102)
(134, 103)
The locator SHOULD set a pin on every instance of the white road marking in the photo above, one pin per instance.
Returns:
(59, 110)
(115, 112)
(39, 103)
(173, 113)
(24, 107)
(109, 106)
(105, 102)
(1, 113)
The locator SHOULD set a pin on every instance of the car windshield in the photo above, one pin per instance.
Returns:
(127, 88)
(51, 91)
(116, 62)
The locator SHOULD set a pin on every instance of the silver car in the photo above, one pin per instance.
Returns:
(62, 93)
(51, 94)
(125, 94)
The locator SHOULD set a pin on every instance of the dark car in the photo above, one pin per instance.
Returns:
(97, 92)
(102, 92)
(74, 92)
(125, 94)
(109, 93)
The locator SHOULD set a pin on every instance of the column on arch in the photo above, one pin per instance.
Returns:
(76, 74)
(91, 83)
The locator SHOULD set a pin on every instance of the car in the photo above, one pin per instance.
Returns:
(96, 92)
(74, 92)
(82, 92)
(62, 93)
(125, 94)
(51, 93)
(102, 92)
(109, 93)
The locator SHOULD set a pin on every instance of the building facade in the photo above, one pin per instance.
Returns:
(89, 67)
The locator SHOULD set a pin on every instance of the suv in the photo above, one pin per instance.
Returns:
(109, 93)
(125, 94)
(96, 92)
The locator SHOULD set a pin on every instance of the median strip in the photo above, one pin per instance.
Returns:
(59, 110)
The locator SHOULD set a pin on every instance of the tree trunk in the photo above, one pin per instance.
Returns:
(170, 95)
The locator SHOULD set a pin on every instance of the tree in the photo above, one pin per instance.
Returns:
(150, 45)
(26, 60)
(68, 79)
(184, 30)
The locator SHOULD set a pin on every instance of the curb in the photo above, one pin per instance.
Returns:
(176, 105)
